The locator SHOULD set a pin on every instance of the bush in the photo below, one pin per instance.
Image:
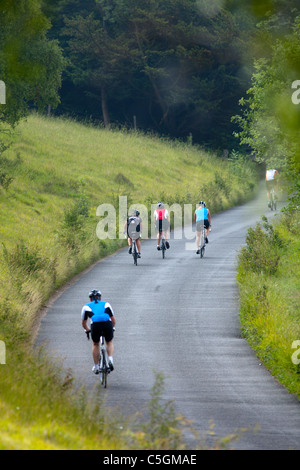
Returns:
(261, 253)
(24, 258)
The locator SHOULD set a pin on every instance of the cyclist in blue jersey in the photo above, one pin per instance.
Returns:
(202, 217)
(102, 319)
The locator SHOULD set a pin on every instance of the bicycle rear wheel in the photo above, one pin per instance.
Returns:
(134, 253)
(202, 244)
(103, 370)
(103, 363)
(163, 249)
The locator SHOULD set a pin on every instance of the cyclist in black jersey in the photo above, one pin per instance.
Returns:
(133, 229)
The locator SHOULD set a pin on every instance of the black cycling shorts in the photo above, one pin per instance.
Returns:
(102, 328)
(200, 223)
(162, 225)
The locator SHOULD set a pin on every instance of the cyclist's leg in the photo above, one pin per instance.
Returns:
(268, 186)
(109, 335)
(130, 245)
(167, 239)
(206, 225)
(138, 244)
(197, 241)
(96, 353)
(110, 348)
(158, 237)
(96, 333)
(166, 232)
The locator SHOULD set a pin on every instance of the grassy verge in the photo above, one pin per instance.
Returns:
(269, 282)
(52, 178)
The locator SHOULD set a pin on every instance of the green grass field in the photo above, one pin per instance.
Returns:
(53, 177)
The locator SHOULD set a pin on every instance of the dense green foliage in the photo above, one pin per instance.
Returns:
(268, 273)
(30, 63)
(271, 114)
(178, 66)
(268, 278)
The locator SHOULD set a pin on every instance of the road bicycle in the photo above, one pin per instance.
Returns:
(202, 243)
(273, 200)
(104, 367)
(134, 252)
(163, 245)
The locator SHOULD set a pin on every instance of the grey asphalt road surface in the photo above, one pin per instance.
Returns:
(180, 317)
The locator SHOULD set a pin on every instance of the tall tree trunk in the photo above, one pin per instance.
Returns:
(104, 108)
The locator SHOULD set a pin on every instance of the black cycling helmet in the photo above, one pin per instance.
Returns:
(94, 294)
(136, 212)
(202, 203)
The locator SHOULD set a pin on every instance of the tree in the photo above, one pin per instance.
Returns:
(99, 59)
(270, 120)
(30, 64)
(173, 64)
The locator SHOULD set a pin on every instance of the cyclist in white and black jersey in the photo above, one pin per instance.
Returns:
(271, 182)
(102, 319)
(133, 229)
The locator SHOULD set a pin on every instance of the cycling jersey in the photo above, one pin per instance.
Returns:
(271, 174)
(134, 227)
(97, 311)
(201, 214)
(161, 220)
(161, 214)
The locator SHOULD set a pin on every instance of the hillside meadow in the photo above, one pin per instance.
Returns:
(53, 176)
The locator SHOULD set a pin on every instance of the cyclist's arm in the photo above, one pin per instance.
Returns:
(110, 312)
(84, 317)
(209, 217)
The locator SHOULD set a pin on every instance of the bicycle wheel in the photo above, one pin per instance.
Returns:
(163, 248)
(202, 244)
(272, 200)
(103, 369)
(134, 253)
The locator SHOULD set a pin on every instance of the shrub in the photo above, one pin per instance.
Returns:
(24, 258)
(261, 253)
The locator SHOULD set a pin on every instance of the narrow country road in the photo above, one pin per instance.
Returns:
(180, 316)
